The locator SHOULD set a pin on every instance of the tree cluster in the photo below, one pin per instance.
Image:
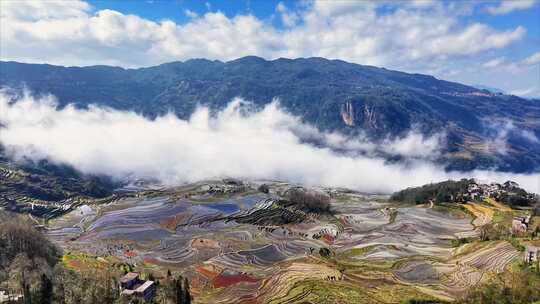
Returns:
(174, 290)
(447, 191)
(309, 202)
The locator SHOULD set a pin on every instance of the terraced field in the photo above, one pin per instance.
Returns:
(238, 245)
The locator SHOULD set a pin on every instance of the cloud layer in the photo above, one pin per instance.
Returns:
(237, 142)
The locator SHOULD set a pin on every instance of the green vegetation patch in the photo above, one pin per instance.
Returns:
(355, 252)
(441, 192)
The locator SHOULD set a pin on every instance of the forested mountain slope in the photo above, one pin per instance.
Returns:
(330, 94)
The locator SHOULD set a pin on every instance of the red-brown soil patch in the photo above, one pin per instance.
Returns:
(207, 272)
(172, 222)
(328, 239)
(130, 254)
(151, 261)
(228, 280)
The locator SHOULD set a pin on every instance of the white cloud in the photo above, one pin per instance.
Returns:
(508, 6)
(494, 63)
(288, 18)
(504, 130)
(533, 92)
(474, 39)
(517, 76)
(37, 10)
(190, 13)
(414, 35)
(414, 144)
(423, 3)
(255, 145)
(513, 66)
(532, 60)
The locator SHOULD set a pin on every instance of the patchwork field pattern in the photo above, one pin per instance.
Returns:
(238, 245)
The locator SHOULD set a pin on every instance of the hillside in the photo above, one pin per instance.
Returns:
(467, 190)
(331, 94)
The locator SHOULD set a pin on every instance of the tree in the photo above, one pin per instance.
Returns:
(264, 188)
(20, 272)
(324, 252)
(179, 290)
(186, 295)
(59, 291)
(46, 290)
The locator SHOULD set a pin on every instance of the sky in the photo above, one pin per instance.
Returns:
(489, 43)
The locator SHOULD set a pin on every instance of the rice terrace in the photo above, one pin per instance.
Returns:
(256, 242)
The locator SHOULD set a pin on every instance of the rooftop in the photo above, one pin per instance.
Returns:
(533, 248)
(128, 292)
(144, 286)
(129, 277)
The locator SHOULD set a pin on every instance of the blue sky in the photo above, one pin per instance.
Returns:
(493, 43)
(174, 9)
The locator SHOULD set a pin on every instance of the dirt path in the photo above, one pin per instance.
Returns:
(483, 214)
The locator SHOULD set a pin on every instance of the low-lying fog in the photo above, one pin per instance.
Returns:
(265, 144)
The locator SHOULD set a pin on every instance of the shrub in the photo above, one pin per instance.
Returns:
(460, 241)
(264, 188)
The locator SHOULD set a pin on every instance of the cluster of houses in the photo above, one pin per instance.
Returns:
(7, 297)
(479, 191)
(482, 93)
(131, 285)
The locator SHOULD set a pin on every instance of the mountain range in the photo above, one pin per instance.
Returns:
(332, 95)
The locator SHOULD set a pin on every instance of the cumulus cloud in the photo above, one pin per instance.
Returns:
(236, 142)
(508, 6)
(408, 36)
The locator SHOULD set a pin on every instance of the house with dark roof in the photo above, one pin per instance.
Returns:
(132, 286)
(531, 254)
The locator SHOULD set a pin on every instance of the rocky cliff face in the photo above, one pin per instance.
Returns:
(347, 113)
